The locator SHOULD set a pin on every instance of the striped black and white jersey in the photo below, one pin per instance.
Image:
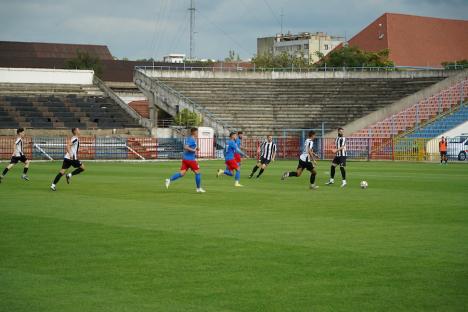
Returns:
(18, 148)
(340, 142)
(75, 146)
(267, 150)
(308, 145)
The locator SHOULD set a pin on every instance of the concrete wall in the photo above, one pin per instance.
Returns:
(294, 75)
(40, 75)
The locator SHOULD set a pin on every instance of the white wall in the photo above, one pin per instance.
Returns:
(41, 75)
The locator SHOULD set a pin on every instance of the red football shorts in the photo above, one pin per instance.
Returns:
(232, 164)
(189, 164)
(237, 157)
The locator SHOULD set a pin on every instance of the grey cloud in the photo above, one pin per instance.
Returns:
(146, 28)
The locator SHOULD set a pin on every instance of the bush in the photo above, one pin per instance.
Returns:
(84, 60)
(188, 119)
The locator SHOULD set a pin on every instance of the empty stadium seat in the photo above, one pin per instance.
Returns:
(261, 106)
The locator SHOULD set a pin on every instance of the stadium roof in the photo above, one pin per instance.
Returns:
(415, 40)
(14, 49)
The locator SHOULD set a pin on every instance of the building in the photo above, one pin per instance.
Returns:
(303, 44)
(14, 49)
(174, 58)
(55, 55)
(415, 40)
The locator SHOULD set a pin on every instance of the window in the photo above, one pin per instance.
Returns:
(326, 47)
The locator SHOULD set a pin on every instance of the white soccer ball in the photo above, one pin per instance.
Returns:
(364, 184)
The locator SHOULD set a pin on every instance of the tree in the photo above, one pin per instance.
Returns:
(84, 60)
(456, 64)
(188, 119)
(232, 57)
(355, 57)
(282, 60)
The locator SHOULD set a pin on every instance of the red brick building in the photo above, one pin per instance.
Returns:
(415, 40)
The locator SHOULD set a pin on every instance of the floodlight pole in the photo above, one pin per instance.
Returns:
(192, 28)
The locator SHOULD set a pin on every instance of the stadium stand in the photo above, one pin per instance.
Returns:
(261, 106)
(55, 106)
(441, 124)
(418, 112)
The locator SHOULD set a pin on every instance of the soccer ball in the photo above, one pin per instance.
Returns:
(364, 184)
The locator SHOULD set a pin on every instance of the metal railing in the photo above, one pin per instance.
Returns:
(195, 106)
(147, 148)
(213, 68)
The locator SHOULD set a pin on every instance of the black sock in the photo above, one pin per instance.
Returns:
(254, 169)
(332, 172)
(25, 170)
(5, 171)
(312, 178)
(260, 173)
(343, 173)
(77, 171)
(293, 174)
(57, 178)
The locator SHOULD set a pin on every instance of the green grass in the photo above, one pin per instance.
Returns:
(117, 240)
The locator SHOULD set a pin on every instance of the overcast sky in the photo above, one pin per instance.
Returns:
(153, 28)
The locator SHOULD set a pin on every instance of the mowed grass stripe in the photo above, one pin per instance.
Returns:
(117, 240)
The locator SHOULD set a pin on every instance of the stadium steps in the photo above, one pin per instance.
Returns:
(261, 106)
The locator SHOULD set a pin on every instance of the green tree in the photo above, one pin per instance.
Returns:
(84, 60)
(456, 64)
(281, 60)
(355, 57)
(188, 119)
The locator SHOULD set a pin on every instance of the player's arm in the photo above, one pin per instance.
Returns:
(188, 148)
(14, 147)
(239, 151)
(342, 147)
(312, 155)
(69, 145)
(273, 156)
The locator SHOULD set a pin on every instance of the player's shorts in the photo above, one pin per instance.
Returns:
(16, 159)
(443, 153)
(189, 164)
(305, 165)
(340, 160)
(67, 163)
(232, 164)
(238, 158)
(264, 161)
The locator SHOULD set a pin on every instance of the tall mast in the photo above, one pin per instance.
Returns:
(192, 29)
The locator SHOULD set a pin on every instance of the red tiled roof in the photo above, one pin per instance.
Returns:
(50, 50)
(415, 40)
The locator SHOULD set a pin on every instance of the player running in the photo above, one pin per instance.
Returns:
(307, 161)
(189, 161)
(267, 155)
(70, 160)
(340, 158)
(231, 164)
(17, 156)
(238, 156)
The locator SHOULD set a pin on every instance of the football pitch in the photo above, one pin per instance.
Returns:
(117, 240)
